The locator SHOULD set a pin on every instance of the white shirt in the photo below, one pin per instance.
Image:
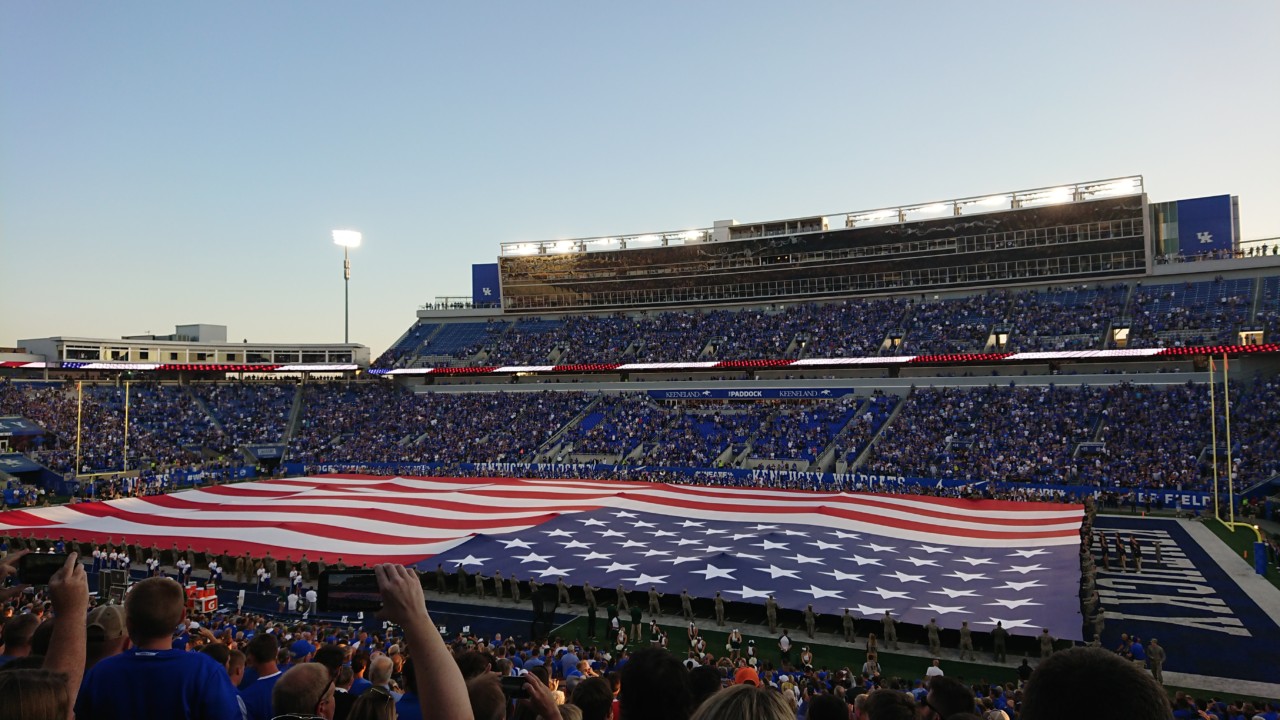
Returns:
(933, 671)
(312, 598)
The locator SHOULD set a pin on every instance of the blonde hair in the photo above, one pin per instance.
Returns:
(33, 694)
(744, 701)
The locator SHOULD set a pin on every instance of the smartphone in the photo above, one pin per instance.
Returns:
(349, 591)
(37, 568)
(514, 687)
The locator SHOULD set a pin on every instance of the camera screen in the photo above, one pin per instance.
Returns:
(37, 568)
(349, 591)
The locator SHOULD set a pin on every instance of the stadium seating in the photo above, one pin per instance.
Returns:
(1059, 318)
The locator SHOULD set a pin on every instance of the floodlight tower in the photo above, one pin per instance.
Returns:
(347, 239)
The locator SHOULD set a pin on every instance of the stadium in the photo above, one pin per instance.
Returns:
(1043, 418)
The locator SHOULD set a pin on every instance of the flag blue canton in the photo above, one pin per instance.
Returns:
(831, 569)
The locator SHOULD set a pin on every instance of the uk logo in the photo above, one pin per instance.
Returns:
(489, 291)
(1205, 237)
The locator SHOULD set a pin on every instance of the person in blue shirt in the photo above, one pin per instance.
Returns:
(262, 652)
(151, 679)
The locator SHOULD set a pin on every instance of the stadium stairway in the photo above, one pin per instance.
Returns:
(295, 417)
(893, 416)
(552, 444)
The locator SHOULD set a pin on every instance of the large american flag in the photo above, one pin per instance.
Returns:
(920, 557)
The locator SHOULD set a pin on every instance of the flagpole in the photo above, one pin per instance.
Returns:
(1213, 427)
(126, 426)
(79, 415)
(1226, 407)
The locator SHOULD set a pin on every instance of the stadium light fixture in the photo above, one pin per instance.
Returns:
(347, 239)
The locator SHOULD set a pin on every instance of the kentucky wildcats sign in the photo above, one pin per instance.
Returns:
(1206, 224)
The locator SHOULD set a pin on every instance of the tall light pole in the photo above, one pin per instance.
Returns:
(347, 239)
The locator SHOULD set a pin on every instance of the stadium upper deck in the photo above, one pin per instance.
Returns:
(1084, 231)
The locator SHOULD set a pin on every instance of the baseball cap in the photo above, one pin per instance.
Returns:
(746, 675)
(106, 622)
(302, 648)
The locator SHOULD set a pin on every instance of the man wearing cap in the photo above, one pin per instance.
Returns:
(771, 612)
(935, 642)
(655, 609)
(686, 604)
(106, 634)
(810, 620)
(1155, 656)
(890, 630)
(999, 638)
(151, 679)
(622, 599)
(562, 591)
(846, 624)
(719, 610)
(746, 676)
(966, 641)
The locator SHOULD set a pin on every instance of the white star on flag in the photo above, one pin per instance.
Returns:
(946, 609)
(662, 533)
(685, 541)
(904, 577)
(593, 521)
(1008, 624)
(770, 545)
(845, 535)
(691, 523)
(1028, 553)
(919, 561)
(617, 566)
(806, 560)
(655, 553)
(819, 593)
(632, 544)
(1013, 604)
(593, 555)
(880, 548)
(1018, 585)
(825, 545)
(711, 571)
(975, 561)
(575, 544)
(470, 560)
(532, 557)
(776, 572)
(558, 533)
(841, 576)
(549, 571)
(641, 523)
(888, 594)
(679, 559)
(611, 533)
(624, 514)
(966, 577)
(517, 543)
(1024, 569)
(931, 549)
(865, 561)
(868, 610)
(954, 593)
(749, 594)
(646, 579)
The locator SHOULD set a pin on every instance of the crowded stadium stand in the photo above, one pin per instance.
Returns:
(897, 420)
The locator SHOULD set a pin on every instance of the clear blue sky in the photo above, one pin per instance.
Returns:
(166, 163)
